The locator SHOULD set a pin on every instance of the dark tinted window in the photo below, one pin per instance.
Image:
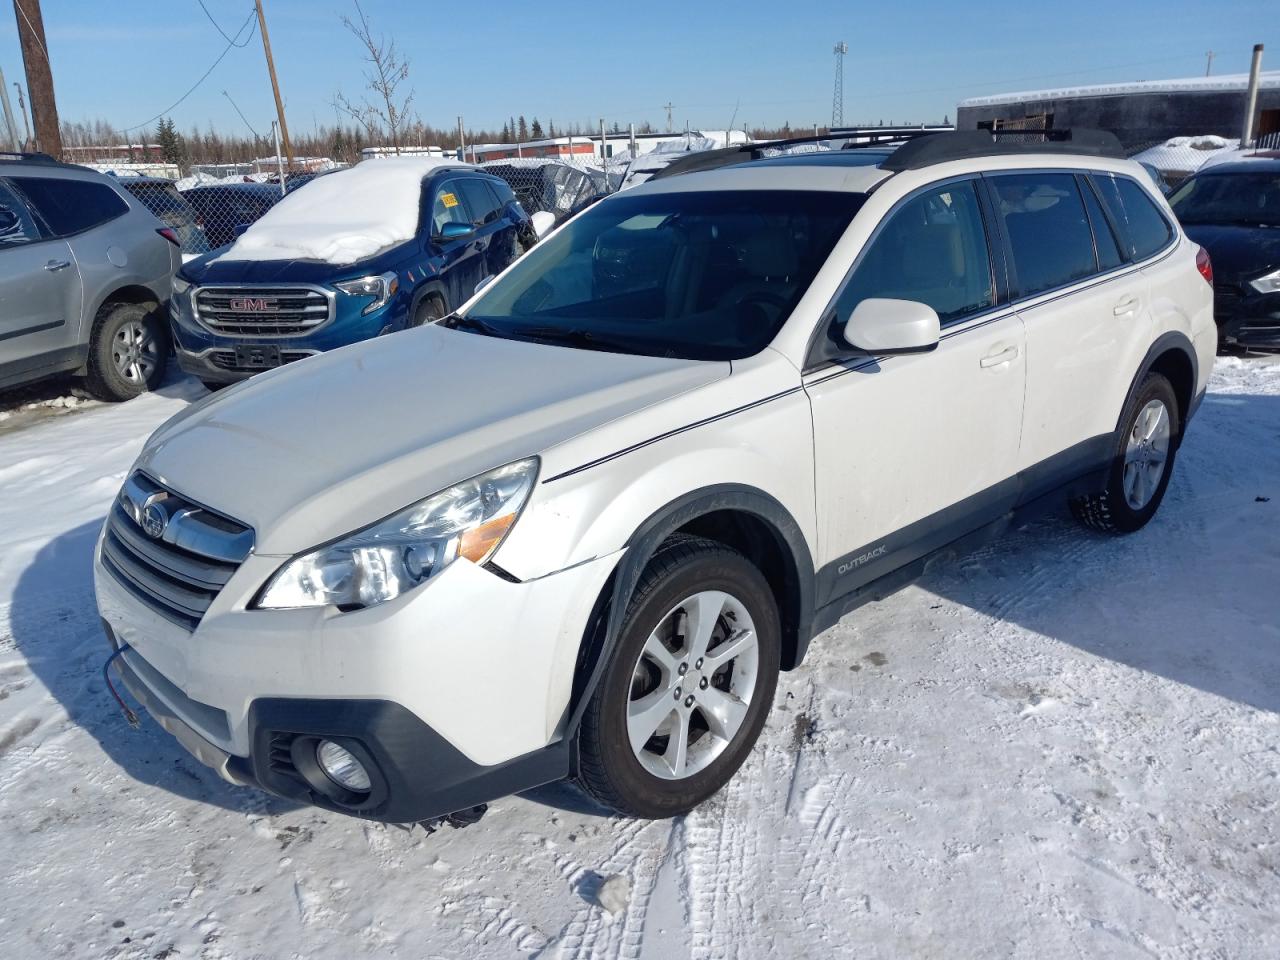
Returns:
(480, 200)
(1248, 198)
(1048, 231)
(16, 224)
(708, 276)
(1109, 256)
(69, 206)
(1143, 228)
(933, 249)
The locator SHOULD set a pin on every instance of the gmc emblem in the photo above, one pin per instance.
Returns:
(251, 304)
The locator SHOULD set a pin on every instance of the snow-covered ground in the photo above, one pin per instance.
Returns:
(1060, 746)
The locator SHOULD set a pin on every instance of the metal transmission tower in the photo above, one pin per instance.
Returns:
(837, 97)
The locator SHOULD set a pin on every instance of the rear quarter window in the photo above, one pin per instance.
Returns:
(1143, 228)
(71, 206)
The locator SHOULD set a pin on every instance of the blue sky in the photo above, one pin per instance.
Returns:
(575, 61)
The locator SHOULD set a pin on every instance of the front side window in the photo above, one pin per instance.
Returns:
(709, 276)
(932, 249)
(16, 225)
(1142, 227)
(1245, 199)
(448, 207)
(483, 205)
(70, 206)
(1048, 230)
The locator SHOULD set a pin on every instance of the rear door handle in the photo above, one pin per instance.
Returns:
(995, 359)
(53, 266)
(1125, 306)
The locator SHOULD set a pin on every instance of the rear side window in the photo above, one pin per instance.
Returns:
(70, 206)
(1109, 256)
(16, 225)
(1048, 231)
(483, 204)
(1143, 227)
(932, 249)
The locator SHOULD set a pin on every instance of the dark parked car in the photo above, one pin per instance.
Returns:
(1233, 211)
(162, 198)
(235, 315)
(225, 206)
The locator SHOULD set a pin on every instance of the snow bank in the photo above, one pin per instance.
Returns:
(1186, 155)
(342, 217)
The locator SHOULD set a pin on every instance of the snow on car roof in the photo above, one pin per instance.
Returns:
(342, 217)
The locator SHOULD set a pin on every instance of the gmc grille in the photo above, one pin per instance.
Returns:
(262, 311)
(179, 573)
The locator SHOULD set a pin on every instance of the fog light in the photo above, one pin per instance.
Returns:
(341, 767)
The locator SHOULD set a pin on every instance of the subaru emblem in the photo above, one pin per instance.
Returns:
(154, 520)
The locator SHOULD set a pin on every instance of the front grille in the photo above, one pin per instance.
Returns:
(262, 311)
(180, 565)
(226, 359)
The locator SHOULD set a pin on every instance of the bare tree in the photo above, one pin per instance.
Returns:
(387, 108)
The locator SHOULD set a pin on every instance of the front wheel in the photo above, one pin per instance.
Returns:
(428, 310)
(1142, 462)
(688, 685)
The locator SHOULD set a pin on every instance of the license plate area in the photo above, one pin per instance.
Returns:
(257, 356)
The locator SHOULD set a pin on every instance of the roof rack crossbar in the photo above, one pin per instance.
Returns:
(966, 144)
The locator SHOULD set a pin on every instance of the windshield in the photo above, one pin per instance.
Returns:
(707, 276)
(1245, 198)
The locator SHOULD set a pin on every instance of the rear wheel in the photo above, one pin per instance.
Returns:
(1141, 464)
(688, 686)
(128, 350)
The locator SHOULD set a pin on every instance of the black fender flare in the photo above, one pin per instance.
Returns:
(1171, 340)
(605, 622)
(431, 288)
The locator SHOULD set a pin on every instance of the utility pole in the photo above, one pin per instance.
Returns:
(275, 84)
(11, 128)
(1251, 97)
(22, 108)
(837, 95)
(1208, 67)
(668, 109)
(35, 57)
(462, 143)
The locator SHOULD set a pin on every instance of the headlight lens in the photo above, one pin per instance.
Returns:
(381, 562)
(1270, 283)
(180, 286)
(379, 289)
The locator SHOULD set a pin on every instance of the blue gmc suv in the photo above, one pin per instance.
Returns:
(233, 318)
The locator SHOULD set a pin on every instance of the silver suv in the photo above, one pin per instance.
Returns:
(85, 277)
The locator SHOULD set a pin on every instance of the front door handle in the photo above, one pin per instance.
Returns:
(995, 359)
(53, 266)
(1125, 307)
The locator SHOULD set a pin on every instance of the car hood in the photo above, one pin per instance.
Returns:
(1238, 253)
(210, 269)
(324, 446)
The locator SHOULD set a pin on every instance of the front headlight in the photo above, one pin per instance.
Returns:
(180, 286)
(380, 562)
(379, 289)
(1270, 283)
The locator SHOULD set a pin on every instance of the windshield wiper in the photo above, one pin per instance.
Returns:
(455, 321)
(573, 337)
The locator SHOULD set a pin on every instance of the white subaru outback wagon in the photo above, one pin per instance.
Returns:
(577, 528)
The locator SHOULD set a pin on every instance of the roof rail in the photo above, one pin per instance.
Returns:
(965, 144)
(16, 157)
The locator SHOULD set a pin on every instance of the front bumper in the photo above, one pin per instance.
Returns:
(1246, 319)
(452, 695)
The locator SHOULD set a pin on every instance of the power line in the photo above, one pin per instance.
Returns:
(226, 50)
(220, 30)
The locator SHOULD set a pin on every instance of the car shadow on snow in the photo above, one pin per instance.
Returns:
(54, 623)
(1193, 597)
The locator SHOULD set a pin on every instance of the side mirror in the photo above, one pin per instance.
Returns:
(884, 326)
(239, 229)
(455, 231)
(543, 223)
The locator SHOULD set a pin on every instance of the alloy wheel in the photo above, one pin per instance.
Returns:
(135, 351)
(1146, 454)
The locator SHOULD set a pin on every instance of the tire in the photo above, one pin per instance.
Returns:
(1135, 487)
(128, 350)
(686, 575)
(428, 310)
